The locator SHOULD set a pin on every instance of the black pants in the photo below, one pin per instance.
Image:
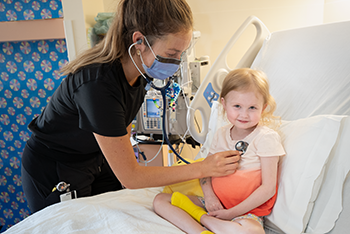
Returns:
(40, 174)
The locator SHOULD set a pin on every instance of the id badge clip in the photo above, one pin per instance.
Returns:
(64, 187)
(68, 195)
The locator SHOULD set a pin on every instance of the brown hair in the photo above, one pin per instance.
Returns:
(153, 18)
(247, 78)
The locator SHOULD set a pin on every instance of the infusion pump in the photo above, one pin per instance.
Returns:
(149, 119)
(151, 114)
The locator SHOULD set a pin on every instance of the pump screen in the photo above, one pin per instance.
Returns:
(152, 110)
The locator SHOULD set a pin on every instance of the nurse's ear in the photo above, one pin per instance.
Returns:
(137, 37)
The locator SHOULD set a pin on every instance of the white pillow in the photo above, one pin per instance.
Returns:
(308, 143)
(329, 202)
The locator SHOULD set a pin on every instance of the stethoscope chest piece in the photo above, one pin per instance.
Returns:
(241, 146)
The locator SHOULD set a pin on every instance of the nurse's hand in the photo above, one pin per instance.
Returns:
(221, 164)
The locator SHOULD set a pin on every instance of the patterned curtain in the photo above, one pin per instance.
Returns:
(29, 74)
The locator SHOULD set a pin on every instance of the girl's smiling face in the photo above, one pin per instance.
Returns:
(243, 108)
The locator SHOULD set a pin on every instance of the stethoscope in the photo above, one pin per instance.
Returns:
(163, 92)
(241, 146)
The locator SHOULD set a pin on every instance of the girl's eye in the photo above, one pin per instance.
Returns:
(252, 107)
(236, 106)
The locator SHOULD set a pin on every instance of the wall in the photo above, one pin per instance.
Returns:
(336, 10)
(74, 27)
(110, 5)
(93, 7)
(218, 20)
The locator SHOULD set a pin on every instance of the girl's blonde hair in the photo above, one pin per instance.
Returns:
(153, 18)
(247, 78)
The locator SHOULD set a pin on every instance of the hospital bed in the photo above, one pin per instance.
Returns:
(309, 73)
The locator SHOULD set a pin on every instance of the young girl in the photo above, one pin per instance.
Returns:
(235, 203)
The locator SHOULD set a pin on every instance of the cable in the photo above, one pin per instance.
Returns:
(154, 157)
(145, 161)
(163, 92)
(165, 136)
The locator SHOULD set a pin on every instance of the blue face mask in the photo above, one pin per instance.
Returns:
(161, 68)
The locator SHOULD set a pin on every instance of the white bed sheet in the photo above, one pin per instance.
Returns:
(126, 211)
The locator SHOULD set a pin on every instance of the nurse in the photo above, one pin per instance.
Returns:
(82, 137)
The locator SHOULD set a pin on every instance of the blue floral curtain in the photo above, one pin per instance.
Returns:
(29, 74)
(12, 10)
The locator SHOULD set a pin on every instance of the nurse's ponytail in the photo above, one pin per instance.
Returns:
(153, 18)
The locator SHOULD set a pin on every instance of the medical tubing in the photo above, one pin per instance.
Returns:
(163, 91)
(149, 161)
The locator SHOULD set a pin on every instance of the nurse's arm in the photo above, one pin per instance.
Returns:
(120, 155)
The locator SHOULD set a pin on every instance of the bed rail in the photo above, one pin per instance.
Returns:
(211, 86)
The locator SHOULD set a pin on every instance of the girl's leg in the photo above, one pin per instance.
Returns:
(192, 206)
(163, 207)
(242, 226)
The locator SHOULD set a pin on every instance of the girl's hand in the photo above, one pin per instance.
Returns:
(222, 214)
(221, 164)
(212, 203)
